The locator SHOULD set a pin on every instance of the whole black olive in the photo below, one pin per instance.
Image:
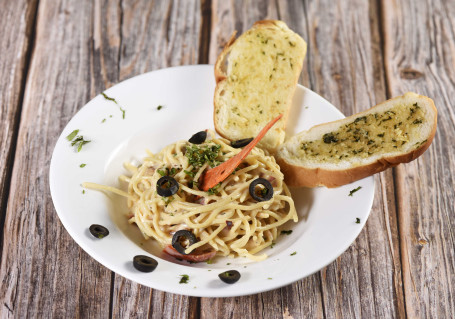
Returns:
(230, 276)
(241, 143)
(167, 186)
(144, 263)
(198, 138)
(98, 231)
(180, 237)
(263, 194)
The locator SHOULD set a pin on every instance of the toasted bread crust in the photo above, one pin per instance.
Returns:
(301, 176)
(221, 82)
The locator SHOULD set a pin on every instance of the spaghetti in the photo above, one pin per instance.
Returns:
(225, 219)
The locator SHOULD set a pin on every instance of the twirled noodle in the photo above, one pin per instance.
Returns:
(227, 218)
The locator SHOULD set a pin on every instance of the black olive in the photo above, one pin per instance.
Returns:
(179, 237)
(98, 231)
(230, 276)
(241, 143)
(198, 138)
(167, 186)
(144, 263)
(264, 194)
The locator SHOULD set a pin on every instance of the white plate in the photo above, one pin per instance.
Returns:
(327, 224)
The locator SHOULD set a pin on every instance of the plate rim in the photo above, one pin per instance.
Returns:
(91, 251)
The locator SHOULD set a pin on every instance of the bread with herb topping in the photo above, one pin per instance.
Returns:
(337, 153)
(256, 77)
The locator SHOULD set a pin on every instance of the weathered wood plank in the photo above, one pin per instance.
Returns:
(420, 56)
(345, 66)
(43, 272)
(156, 35)
(302, 299)
(16, 42)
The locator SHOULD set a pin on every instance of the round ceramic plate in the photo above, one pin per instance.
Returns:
(329, 219)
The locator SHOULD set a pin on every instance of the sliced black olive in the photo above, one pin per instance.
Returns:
(183, 239)
(230, 276)
(167, 186)
(241, 143)
(98, 231)
(261, 194)
(198, 138)
(144, 263)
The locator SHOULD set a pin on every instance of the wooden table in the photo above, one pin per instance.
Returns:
(56, 55)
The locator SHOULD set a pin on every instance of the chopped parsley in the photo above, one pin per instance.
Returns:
(354, 190)
(167, 200)
(228, 264)
(113, 100)
(209, 261)
(77, 140)
(167, 172)
(198, 155)
(184, 279)
(104, 120)
(273, 244)
(82, 165)
(108, 97)
(190, 174)
(214, 189)
(83, 191)
(286, 232)
(72, 135)
(270, 278)
(357, 220)
(159, 107)
(294, 253)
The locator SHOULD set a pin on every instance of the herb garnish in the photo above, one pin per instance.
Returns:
(113, 100)
(273, 244)
(357, 220)
(190, 174)
(214, 189)
(199, 155)
(209, 261)
(72, 135)
(354, 190)
(77, 141)
(167, 200)
(294, 253)
(82, 165)
(167, 172)
(184, 279)
(159, 107)
(286, 232)
(104, 120)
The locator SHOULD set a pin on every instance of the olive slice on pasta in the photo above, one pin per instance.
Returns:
(183, 239)
(241, 143)
(167, 186)
(198, 138)
(261, 194)
(144, 263)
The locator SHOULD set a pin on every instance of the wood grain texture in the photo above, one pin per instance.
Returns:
(155, 35)
(16, 40)
(57, 55)
(345, 66)
(420, 56)
(43, 272)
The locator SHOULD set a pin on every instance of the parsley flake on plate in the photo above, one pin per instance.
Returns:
(354, 190)
(184, 279)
